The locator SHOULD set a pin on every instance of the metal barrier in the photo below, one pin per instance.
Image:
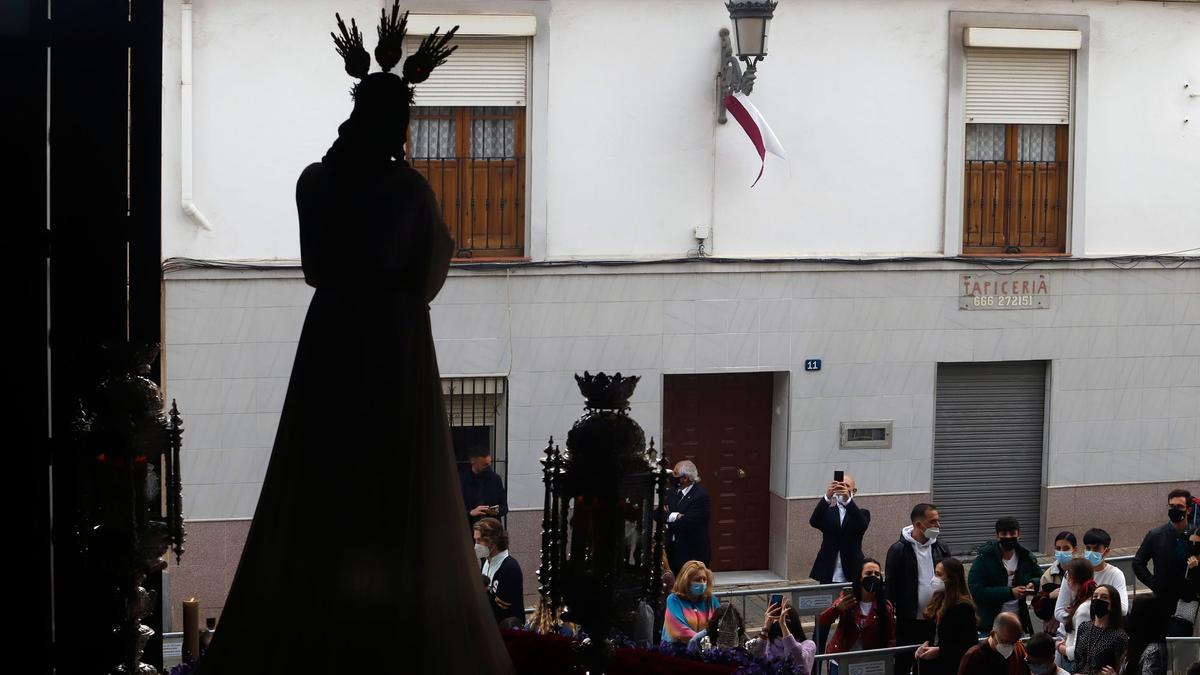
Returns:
(865, 662)
(812, 599)
(1182, 653)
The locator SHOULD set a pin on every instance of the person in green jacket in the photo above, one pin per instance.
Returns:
(1003, 575)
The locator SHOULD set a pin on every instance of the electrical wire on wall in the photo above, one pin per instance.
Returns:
(1006, 265)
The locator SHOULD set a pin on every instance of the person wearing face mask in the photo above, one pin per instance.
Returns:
(1080, 584)
(691, 604)
(865, 618)
(953, 611)
(1102, 639)
(909, 570)
(842, 524)
(1166, 548)
(1096, 544)
(1001, 653)
(1052, 580)
(505, 584)
(688, 510)
(1003, 576)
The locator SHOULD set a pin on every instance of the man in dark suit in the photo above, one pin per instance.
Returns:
(688, 508)
(482, 488)
(842, 524)
(1168, 548)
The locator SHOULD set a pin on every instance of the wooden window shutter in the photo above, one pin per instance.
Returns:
(1018, 86)
(484, 71)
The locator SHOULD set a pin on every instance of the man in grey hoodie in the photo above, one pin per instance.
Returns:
(909, 577)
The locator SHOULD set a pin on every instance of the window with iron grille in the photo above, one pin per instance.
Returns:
(1015, 194)
(467, 137)
(472, 157)
(478, 416)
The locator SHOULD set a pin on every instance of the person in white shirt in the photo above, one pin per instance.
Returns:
(1096, 544)
(1078, 581)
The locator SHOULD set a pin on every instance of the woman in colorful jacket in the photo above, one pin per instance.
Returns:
(690, 605)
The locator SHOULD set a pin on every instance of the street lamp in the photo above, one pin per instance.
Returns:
(751, 23)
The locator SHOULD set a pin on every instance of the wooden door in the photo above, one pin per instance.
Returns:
(722, 422)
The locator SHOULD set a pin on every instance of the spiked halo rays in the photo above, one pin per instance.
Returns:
(432, 52)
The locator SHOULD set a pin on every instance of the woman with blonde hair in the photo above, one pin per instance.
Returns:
(547, 621)
(690, 605)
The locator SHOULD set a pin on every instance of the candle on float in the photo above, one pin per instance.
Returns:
(191, 630)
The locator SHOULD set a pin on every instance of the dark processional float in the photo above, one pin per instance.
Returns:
(603, 523)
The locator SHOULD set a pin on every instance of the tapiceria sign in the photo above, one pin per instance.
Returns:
(1004, 291)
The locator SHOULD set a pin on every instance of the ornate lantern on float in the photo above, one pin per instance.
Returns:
(602, 521)
(127, 454)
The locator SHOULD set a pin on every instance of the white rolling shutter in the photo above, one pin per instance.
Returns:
(483, 71)
(1018, 86)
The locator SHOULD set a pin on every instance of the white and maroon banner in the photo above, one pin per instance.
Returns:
(756, 127)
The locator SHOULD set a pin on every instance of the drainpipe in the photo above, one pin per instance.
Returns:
(185, 122)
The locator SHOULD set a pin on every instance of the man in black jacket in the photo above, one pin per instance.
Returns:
(842, 524)
(482, 488)
(688, 508)
(909, 578)
(1167, 547)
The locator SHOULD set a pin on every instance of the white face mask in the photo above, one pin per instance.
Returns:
(1004, 649)
(481, 551)
(840, 498)
(937, 584)
(932, 533)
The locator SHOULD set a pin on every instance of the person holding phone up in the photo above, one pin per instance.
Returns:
(865, 618)
(842, 524)
(782, 636)
(482, 488)
(1003, 575)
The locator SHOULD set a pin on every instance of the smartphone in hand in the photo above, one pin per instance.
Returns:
(839, 476)
(776, 599)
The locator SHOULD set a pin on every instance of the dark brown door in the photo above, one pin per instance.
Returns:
(722, 422)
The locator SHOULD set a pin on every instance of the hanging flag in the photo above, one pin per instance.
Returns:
(739, 105)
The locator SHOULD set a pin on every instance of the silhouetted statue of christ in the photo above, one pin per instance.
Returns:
(359, 556)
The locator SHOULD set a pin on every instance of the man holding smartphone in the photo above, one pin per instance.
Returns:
(482, 488)
(1003, 575)
(842, 524)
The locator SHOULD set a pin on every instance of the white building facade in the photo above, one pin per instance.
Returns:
(988, 239)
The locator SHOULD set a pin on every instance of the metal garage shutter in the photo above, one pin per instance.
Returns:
(987, 450)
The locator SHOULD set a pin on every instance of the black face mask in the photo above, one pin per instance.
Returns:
(1008, 544)
(1100, 608)
(1194, 548)
(872, 584)
(1177, 515)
